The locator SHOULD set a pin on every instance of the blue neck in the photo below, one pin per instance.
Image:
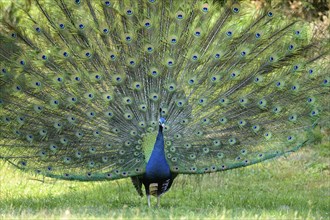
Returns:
(157, 167)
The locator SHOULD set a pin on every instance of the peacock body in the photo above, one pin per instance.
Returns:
(148, 89)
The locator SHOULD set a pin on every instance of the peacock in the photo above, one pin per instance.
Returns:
(149, 89)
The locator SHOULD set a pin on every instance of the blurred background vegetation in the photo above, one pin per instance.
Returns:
(313, 11)
(310, 10)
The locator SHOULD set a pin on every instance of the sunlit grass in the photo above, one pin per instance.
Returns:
(296, 187)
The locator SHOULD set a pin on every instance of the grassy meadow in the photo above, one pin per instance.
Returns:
(292, 187)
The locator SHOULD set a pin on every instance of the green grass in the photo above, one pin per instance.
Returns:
(296, 187)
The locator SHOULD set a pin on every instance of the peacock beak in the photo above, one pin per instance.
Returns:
(163, 125)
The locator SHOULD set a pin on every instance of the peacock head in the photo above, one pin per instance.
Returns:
(162, 121)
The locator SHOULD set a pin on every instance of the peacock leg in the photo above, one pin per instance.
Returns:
(158, 201)
(148, 196)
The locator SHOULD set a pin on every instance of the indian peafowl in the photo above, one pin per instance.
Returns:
(149, 89)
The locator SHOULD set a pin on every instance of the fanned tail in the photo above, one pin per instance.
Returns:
(82, 83)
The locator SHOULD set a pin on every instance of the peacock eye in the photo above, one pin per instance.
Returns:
(81, 26)
(129, 12)
(235, 10)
